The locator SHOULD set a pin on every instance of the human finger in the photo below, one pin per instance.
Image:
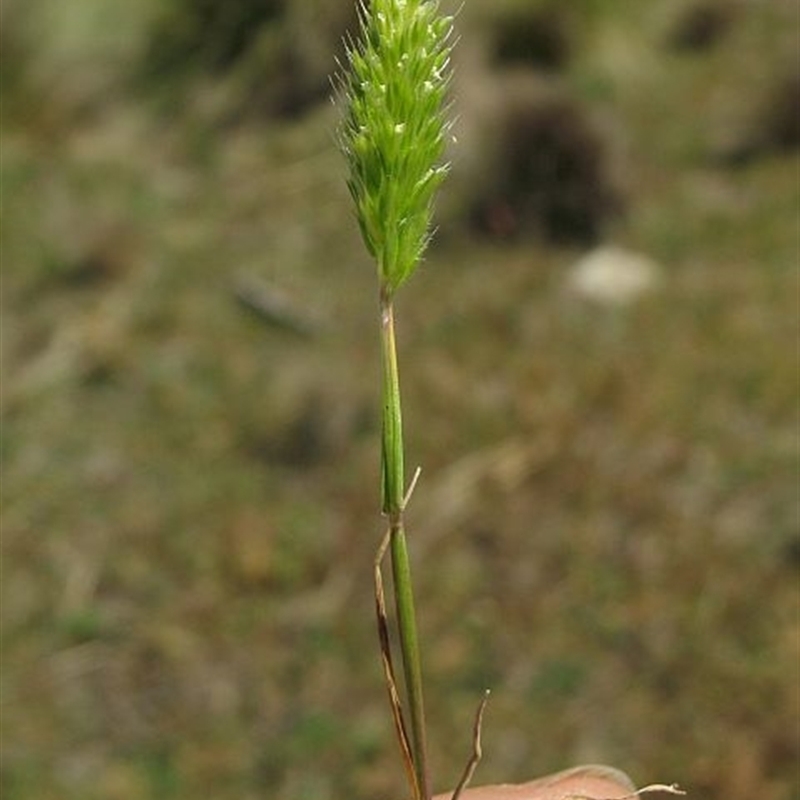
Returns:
(594, 781)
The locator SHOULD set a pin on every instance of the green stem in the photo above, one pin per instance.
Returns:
(393, 501)
(392, 423)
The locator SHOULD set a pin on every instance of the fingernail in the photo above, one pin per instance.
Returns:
(599, 771)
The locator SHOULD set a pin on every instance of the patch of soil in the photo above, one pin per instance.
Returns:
(548, 174)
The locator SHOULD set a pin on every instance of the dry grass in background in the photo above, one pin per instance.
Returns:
(605, 532)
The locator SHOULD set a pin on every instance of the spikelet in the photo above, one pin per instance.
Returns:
(395, 127)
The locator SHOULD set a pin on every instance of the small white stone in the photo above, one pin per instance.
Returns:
(614, 276)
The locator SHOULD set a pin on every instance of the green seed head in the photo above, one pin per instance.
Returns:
(394, 129)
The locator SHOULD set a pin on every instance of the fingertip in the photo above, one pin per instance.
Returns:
(586, 781)
(600, 772)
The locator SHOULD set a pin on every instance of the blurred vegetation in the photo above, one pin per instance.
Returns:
(606, 528)
(209, 34)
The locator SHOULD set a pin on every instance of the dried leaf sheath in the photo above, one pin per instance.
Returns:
(388, 671)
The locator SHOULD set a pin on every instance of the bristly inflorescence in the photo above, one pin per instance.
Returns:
(395, 126)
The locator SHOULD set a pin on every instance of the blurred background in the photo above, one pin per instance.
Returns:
(599, 361)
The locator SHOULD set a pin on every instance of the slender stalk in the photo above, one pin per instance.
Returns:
(393, 502)
(392, 469)
(409, 650)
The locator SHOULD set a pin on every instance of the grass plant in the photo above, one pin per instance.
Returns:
(393, 137)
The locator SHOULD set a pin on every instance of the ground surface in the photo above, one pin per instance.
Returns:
(605, 532)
